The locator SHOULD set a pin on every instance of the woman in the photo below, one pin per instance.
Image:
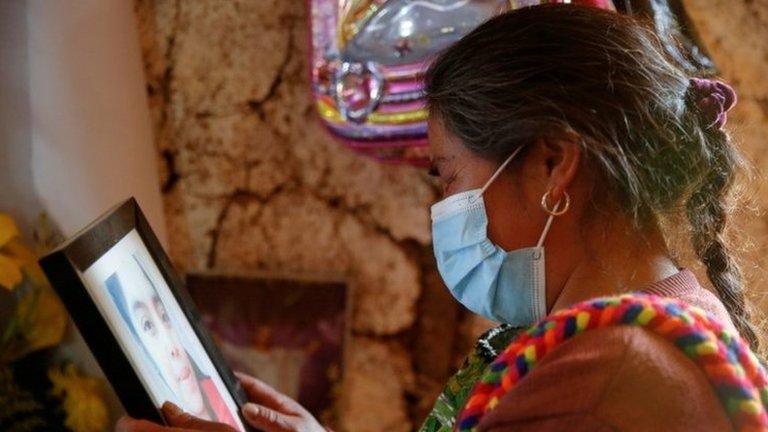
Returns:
(567, 129)
(145, 314)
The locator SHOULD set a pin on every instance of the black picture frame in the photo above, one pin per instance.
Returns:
(62, 267)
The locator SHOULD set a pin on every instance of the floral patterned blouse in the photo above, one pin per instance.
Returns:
(451, 400)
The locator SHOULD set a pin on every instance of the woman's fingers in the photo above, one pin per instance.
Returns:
(268, 419)
(274, 411)
(262, 393)
(129, 424)
(176, 417)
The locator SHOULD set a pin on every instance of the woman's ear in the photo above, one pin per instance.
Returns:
(563, 156)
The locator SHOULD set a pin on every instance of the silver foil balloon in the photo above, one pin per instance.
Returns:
(357, 89)
(405, 31)
(368, 59)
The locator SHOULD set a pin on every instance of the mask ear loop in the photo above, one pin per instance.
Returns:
(497, 173)
(557, 211)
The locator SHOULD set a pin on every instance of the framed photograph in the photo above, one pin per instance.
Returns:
(139, 321)
(290, 330)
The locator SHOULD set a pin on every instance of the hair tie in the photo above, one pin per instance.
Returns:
(714, 99)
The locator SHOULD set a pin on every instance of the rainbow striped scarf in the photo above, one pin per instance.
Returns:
(736, 375)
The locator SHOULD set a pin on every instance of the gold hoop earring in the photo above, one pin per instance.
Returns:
(557, 211)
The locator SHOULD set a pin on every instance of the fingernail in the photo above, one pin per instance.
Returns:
(250, 410)
(172, 409)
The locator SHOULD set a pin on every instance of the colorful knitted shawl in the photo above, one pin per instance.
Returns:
(736, 375)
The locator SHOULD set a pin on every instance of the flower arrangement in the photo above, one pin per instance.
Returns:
(38, 393)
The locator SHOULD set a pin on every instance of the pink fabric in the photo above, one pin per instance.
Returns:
(220, 409)
(683, 285)
(618, 379)
(714, 99)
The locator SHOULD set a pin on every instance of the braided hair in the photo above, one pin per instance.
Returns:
(708, 206)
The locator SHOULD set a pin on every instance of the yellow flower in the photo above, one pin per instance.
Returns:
(41, 317)
(10, 265)
(8, 229)
(83, 399)
(44, 318)
(10, 272)
(16, 259)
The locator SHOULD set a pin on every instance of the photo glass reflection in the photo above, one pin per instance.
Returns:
(152, 329)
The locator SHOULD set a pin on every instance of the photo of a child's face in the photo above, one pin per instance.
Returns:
(155, 334)
(155, 331)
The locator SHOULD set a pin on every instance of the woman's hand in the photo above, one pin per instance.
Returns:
(268, 410)
(272, 411)
(178, 420)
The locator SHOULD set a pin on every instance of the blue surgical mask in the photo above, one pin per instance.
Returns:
(503, 286)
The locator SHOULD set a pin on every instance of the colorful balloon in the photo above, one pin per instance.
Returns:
(368, 59)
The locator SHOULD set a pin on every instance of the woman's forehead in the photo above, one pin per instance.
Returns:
(432, 136)
(443, 145)
(138, 289)
(439, 140)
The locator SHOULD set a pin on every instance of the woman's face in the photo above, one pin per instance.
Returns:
(157, 334)
(515, 219)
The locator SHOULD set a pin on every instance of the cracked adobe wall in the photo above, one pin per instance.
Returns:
(252, 181)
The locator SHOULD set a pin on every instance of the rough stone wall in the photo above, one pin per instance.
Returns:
(252, 181)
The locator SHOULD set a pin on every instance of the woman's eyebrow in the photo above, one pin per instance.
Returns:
(157, 303)
(439, 160)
